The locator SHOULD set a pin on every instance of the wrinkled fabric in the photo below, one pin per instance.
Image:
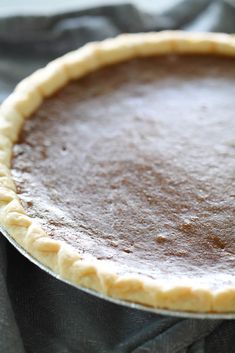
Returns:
(38, 313)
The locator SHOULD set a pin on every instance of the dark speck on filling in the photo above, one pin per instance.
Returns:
(135, 164)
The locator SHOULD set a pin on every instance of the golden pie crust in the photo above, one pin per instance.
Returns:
(57, 255)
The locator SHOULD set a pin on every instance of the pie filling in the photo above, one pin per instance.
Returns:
(135, 164)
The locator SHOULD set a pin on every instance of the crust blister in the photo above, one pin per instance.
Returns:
(61, 258)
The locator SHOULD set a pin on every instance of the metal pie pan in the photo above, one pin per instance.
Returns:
(180, 314)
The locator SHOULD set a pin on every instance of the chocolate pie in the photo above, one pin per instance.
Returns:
(122, 180)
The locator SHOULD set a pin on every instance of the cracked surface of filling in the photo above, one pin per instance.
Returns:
(135, 164)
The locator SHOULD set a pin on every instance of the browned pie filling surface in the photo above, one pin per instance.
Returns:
(135, 164)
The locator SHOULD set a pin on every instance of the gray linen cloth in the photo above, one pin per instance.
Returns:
(39, 314)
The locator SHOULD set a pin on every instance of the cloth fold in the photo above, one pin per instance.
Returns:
(54, 35)
(38, 313)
